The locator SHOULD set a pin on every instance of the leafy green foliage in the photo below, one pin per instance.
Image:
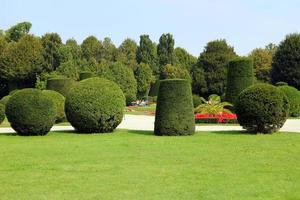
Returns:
(30, 112)
(28, 51)
(5, 99)
(59, 102)
(196, 100)
(85, 75)
(213, 106)
(286, 62)
(17, 31)
(174, 72)
(280, 83)
(51, 43)
(127, 53)
(199, 85)
(91, 48)
(2, 113)
(165, 49)
(124, 77)
(240, 76)
(184, 59)
(144, 77)
(262, 108)
(214, 60)
(174, 111)
(61, 85)
(95, 105)
(293, 96)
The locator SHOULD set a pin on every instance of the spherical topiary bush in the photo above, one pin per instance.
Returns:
(30, 112)
(59, 101)
(85, 75)
(240, 76)
(262, 108)
(95, 105)
(2, 113)
(174, 111)
(196, 100)
(61, 85)
(293, 96)
(4, 100)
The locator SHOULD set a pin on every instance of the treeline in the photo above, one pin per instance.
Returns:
(28, 61)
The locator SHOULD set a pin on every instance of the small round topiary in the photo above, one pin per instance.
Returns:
(59, 101)
(240, 76)
(61, 85)
(4, 100)
(196, 100)
(85, 75)
(2, 113)
(262, 108)
(174, 111)
(95, 105)
(30, 112)
(293, 96)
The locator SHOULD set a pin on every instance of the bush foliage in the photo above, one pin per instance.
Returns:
(174, 111)
(2, 113)
(4, 100)
(293, 96)
(262, 108)
(95, 105)
(61, 85)
(30, 112)
(59, 101)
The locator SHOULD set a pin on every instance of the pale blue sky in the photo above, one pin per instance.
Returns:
(244, 24)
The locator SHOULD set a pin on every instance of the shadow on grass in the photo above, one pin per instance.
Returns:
(232, 132)
(149, 133)
(8, 134)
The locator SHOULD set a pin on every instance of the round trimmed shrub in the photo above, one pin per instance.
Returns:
(61, 85)
(240, 76)
(2, 113)
(262, 108)
(30, 112)
(59, 101)
(4, 100)
(196, 100)
(293, 96)
(85, 75)
(95, 105)
(174, 111)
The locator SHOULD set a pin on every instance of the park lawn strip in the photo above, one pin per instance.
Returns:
(138, 165)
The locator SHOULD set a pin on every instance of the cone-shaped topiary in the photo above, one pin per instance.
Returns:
(262, 108)
(61, 85)
(95, 105)
(240, 76)
(59, 101)
(2, 113)
(175, 111)
(293, 96)
(30, 112)
(85, 75)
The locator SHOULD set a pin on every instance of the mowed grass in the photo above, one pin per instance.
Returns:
(139, 165)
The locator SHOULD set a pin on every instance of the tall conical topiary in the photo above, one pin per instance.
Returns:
(175, 111)
(240, 76)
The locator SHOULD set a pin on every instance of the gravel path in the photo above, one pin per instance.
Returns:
(142, 122)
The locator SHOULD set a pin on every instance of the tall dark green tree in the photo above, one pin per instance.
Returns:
(144, 77)
(51, 43)
(17, 31)
(146, 53)
(286, 61)
(127, 53)
(184, 59)
(214, 61)
(109, 51)
(165, 49)
(91, 48)
(199, 85)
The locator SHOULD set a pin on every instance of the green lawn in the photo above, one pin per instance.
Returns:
(139, 165)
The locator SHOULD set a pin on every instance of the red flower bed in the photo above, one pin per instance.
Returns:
(222, 118)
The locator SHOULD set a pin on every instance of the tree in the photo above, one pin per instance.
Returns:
(286, 61)
(91, 48)
(22, 60)
(174, 72)
(127, 53)
(262, 63)
(109, 51)
(51, 43)
(214, 60)
(143, 76)
(165, 49)
(146, 53)
(17, 31)
(199, 85)
(184, 59)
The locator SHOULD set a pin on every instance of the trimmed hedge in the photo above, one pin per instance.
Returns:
(2, 113)
(95, 105)
(61, 85)
(293, 96)
(154, 89)
(262, 108)
(85, 75)
(4, 100)
(30, 112)
(196, 100)
(240, 76)
(174, 111)
(59, 101)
